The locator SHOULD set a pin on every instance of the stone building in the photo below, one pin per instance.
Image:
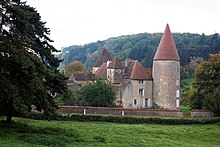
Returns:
(138, 87)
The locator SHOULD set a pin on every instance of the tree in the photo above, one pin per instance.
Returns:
(28, 69)
(99, 94)
(206, 85)
(73, 67)
(192, 65)
(183, 73)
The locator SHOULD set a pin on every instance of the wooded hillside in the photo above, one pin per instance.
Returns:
(142, 47)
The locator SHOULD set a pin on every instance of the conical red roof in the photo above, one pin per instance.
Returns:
(139, 72)
(103, 57)
(167, 48)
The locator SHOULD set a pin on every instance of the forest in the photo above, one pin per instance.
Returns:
(142, 47)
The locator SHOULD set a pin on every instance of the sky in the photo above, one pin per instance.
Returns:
(78, 22)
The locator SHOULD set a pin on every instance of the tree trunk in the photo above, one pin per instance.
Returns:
(8, 120)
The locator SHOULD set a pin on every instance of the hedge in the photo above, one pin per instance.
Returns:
(126, 119)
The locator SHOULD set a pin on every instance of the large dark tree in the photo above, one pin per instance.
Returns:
(205, 92)
(28, 69)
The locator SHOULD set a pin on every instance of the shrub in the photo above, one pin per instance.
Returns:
(128, 119)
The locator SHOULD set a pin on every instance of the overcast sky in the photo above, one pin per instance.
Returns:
(76, 22)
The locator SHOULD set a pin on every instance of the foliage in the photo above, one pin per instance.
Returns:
(70, 133)
(185, 108)
(142, 47)
(193, 64)
(142, 120)
(185, 90)
(74, 67)
(184, 73)
(100, 94)
(73, 99)
(28, 69)
(206, 85)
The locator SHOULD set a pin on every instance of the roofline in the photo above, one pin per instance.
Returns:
(143, 79)
(166, 59)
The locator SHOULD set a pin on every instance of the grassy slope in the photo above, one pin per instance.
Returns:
(27, 132)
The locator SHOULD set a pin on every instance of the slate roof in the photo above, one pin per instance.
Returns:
(104, 56)
(82, 77)
(167, 48)
(116, 64)
(102, 71)
(139, 72)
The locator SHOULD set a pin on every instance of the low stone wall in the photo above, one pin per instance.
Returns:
(120, 111)
(134, 112)
(201, 113)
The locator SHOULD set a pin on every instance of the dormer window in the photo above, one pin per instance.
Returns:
(141, 81)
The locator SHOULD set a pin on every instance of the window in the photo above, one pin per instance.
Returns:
(141, 92)
(177, 93)
(177, 103)
(146, 102)
(128, 90)
(177, 82)
(135, 101)
(141, 81)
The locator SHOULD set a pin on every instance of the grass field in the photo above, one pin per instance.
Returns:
(26, 132)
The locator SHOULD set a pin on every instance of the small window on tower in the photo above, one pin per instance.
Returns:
(177, 93)
(177, 82)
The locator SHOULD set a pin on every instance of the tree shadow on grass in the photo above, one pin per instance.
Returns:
(48, 136)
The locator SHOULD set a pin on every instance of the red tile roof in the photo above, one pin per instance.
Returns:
(103, 57)
(139, 72)
(167, 49)
(102, 71)
(116, 64)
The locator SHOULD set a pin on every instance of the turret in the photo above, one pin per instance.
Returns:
(115, 71)
(104, 57)
(166, 73)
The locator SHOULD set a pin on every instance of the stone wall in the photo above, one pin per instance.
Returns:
(133, 112)
(120, 111)
(201, 113)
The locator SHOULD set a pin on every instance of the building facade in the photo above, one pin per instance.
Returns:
(138, 87)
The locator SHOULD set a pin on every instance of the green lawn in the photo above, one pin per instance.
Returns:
(26, 132)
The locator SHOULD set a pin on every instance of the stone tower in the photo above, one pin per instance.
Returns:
(166, 73)
(115, 71)
(104, 57)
